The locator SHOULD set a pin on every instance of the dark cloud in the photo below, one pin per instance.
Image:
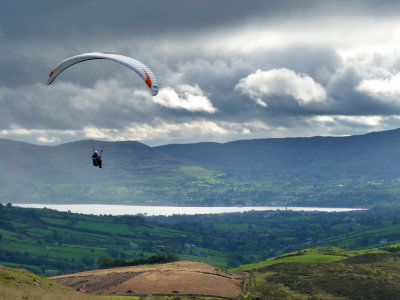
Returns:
(46, 19)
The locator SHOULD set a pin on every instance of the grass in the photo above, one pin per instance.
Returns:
(365, 274)
(21, 284)
(314, 255)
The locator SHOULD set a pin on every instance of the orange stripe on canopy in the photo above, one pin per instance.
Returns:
(148, 80)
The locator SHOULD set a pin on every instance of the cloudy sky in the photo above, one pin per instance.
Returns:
(227, 69)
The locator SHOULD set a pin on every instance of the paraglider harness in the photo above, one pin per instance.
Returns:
(96, 158)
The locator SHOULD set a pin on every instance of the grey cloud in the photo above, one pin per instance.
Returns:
(47, 18)
(347, 100)
(76, 19)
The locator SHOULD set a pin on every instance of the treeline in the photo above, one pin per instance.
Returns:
(33, 263)
(390, 248)
(109, 262)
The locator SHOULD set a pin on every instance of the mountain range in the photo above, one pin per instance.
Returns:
(244, 172)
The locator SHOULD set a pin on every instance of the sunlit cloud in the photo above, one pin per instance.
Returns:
(386, 89)
(190, 98)
(17, 130)
(47, 140)
(42, 136)
(192, 130)
(262, 84)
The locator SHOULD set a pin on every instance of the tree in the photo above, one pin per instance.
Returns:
(87, 261)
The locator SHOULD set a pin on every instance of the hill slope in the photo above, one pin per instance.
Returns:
(184, 277)
(21, 284)
(365, 275)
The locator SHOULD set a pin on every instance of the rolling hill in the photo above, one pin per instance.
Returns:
(177, 278)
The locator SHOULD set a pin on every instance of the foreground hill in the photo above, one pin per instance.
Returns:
(326, 273)
(184, 277)
(361, 170)
(21, 284)
(318, 273)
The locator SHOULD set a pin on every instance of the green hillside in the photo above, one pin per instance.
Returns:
(49, 242)
(325, 273)
(21, 284)
(312, 255)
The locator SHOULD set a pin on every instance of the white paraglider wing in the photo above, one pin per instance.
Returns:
(142, 70)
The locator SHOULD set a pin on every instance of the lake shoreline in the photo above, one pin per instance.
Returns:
(157, 210)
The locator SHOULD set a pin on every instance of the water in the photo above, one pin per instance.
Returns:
(115, 210)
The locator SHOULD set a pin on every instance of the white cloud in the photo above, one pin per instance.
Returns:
(195, 131)
(386, 89)
(93, 132)
(158, 129)
(368, 121)
(47, 140)
(260, 102)
(262, 84)
(43, 136)
(17, 130)
(190, 98)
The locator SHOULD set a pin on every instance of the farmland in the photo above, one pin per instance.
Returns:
(50, 242)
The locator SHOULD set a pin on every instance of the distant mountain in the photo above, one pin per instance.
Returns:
(70, 162)
(305, 171)
(131, 172)
(370, 154)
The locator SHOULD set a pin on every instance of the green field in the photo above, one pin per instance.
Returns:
(43, 239)
(68, 242)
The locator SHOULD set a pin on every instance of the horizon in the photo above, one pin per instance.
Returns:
(193, 143)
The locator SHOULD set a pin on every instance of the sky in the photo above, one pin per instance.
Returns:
(227, 70)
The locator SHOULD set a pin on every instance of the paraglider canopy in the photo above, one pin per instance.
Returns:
(142, 70)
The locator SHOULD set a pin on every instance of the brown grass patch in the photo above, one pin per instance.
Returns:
(183, 277)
